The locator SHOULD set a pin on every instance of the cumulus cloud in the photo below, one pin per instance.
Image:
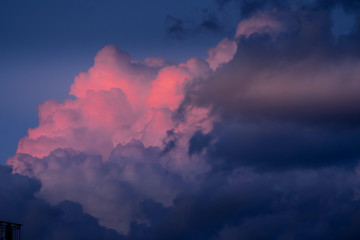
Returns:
(109, 191)
(116, 101)
(258, 141)
(120, 124)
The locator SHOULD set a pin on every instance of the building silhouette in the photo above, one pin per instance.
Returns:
(9, 231)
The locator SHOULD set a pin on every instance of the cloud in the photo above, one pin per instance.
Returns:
(309, 204)
(132, 173)
(39, 219)
(210, 21)
(300, 76)
(207, 21)
(222, 53)
(116, 101)
(247, 8)
(175, 27)
(120, 124)
(258, 141)
(259, 24)
(287, 100)
(278, 146)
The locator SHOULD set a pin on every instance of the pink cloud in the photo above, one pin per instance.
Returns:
(117, 100)
(263, 22)
(93, 148)
(168, 85)
(222, 53)
(113, 68)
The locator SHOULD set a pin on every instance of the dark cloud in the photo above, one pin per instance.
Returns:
(284, 153)
(111, 190)
(302, 76)
(349, 5)
(39, 219)
(175, 27)
(246, 205)
(229, 205)
(280, 146)
(249, 7)
(206, 21)
(210, 21)
(180, 28)
(169, 142)
(287, 100)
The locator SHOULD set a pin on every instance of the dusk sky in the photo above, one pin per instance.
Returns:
(188, 120)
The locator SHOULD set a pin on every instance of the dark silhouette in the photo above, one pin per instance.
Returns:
(9, 231)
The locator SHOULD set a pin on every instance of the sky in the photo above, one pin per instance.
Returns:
(206, 119)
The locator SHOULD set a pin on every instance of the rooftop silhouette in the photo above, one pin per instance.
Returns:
(9, 231)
